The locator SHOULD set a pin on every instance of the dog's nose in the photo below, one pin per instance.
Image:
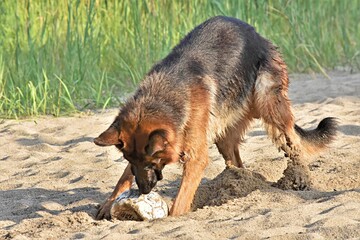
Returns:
(159, 175)
(145, 187)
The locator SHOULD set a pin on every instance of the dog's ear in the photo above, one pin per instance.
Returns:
(157, 142)
(109, 137)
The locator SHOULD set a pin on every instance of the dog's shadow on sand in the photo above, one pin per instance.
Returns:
(21, 204)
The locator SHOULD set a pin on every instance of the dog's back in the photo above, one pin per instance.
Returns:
(225, 49)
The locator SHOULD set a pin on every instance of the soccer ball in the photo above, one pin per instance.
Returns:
(131, 205)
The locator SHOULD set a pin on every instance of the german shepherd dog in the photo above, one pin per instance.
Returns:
(220, 77)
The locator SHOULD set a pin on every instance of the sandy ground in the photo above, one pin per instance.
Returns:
(53, 178)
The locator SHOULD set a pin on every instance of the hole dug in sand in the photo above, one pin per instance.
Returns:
(239, 182)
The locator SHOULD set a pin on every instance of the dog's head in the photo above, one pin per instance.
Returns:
(148, 146)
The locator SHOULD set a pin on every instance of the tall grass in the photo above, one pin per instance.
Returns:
(59, 57)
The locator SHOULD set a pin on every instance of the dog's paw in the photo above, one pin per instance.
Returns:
(104, 210)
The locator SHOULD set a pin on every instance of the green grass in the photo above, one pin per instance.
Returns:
(59, 57)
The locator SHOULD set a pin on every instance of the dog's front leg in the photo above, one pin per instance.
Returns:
(195, 146)
(192, 174)
(123, 184)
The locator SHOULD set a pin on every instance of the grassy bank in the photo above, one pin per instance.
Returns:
(58, 57)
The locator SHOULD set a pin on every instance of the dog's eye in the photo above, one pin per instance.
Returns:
(120, 145)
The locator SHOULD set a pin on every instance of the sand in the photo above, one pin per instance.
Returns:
(53, 178)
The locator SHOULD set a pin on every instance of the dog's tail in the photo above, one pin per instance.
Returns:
(317, 139)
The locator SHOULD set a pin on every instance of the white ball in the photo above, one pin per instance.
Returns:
(131, 205)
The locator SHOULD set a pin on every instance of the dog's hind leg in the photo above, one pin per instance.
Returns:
(228, 145)
(273, 105)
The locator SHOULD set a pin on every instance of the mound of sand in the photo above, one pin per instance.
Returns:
(230, 184)
(235, 182)
(296, 177)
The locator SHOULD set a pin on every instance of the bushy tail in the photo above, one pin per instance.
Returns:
(318, 138)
